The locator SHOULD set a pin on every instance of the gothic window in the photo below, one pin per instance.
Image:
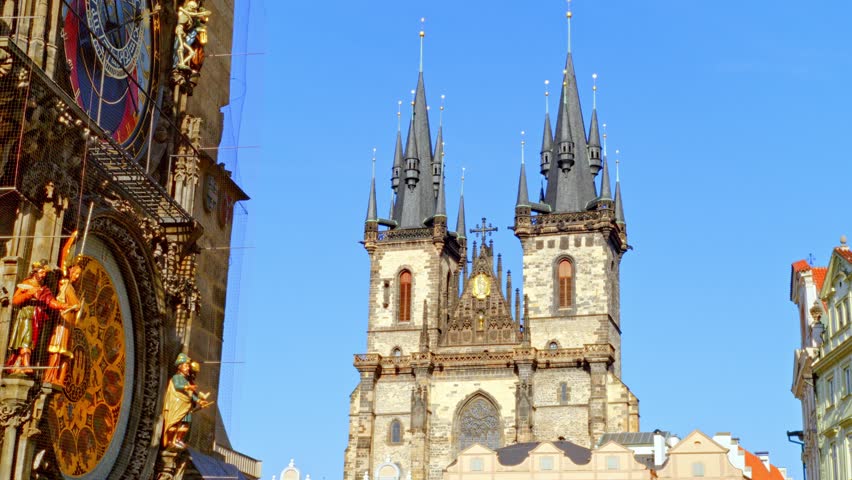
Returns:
(478, 422)
(395, 433)
(404, 296)
(564, 393)
(565, 273)
(396, 352)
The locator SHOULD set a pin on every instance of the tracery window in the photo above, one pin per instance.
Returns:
(479, 423)
(404, 296)
(565, 273)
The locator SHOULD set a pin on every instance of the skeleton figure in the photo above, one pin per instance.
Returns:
(190, 35)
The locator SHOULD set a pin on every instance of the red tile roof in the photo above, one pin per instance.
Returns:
(845, 253)
(759, 470)
(801, 266)
(819, 277)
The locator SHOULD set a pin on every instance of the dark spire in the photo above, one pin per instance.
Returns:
(606, 191)
(436, 161)
(441, 202)
(372, 213)
(460, 226)
(523, 195)
(570, 188)
(619, 208)
(407, 202)
(546, 137)
(424, 146)
(594, 145)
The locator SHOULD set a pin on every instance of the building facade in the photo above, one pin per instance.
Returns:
(806, 281)
(697, 456)
(832, 369)
(108, 169)
(454, 355)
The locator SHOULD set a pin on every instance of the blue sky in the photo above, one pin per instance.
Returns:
(731, 118)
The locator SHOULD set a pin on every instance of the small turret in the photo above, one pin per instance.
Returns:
(396, 170)
(372, 212)
(594, 142)
(547, 136)
(412, 163)
(437, 161)
(564, 139)
(619, 207)
(461, 229)
(523, 194)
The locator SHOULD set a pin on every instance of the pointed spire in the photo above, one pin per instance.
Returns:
(372, 214)
(571, 187)
(441, 202)
(396, 171)
(606, 191)
(412, 162)
(407, 204)
(594, 143)
(438, 160)
(426, 195)
(564, 139)
(619, 207)
(523, 196)
(547, 135)
(461, 229)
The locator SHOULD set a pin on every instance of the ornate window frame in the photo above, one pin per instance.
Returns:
(460, 409)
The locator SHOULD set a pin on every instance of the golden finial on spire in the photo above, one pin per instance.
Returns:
(568, 15)
(546, 95)
(523, 143)
(604, 136)
(399, 116)
(422, 34)
(413, 93)
(441, 114)
(594, 91)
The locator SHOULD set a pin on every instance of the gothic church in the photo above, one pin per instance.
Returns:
(455, 356)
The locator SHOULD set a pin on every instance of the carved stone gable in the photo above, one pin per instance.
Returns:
(482, 316)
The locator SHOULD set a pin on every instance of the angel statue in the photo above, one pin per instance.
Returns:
(190, 35)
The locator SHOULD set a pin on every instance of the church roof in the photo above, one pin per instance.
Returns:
(517, 453)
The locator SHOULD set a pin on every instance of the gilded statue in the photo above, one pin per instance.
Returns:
(181, 400)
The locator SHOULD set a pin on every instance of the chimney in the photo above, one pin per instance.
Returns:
(764, 457)
(659, 448)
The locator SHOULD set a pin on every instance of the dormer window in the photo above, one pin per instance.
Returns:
(404, 314)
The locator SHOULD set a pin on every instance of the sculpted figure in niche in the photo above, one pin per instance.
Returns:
(33, 301)
(59, 356)
(190, 35)
(182, 399)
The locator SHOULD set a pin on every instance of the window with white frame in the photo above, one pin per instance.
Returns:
(697, 469)
(829, 394)
(835, 468)
(847, 380)
(612, 462)
(476, 464)
(546, 463)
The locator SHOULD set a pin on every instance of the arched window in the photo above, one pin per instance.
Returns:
(479, 422)
(395, 433)
(553, 345)
(566, 281)
(405, 296)
(396, 352)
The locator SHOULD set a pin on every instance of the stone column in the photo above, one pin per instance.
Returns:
(370, 371)
(420, 417)
(524, 408)
(14, 412)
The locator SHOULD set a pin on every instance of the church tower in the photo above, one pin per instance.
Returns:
(455, 356)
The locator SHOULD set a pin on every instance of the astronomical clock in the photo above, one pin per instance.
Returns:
(111, 47)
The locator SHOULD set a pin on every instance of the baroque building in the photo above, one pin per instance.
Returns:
(115, 225)
(823, 368)
(454, 355)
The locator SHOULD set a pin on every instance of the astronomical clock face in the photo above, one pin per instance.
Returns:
(111, 49)
(87, 421)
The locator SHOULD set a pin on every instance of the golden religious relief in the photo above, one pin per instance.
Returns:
(481, 286)
(83, 420)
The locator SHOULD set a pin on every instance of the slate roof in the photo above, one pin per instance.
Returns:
(631, 438)
(517, 453)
